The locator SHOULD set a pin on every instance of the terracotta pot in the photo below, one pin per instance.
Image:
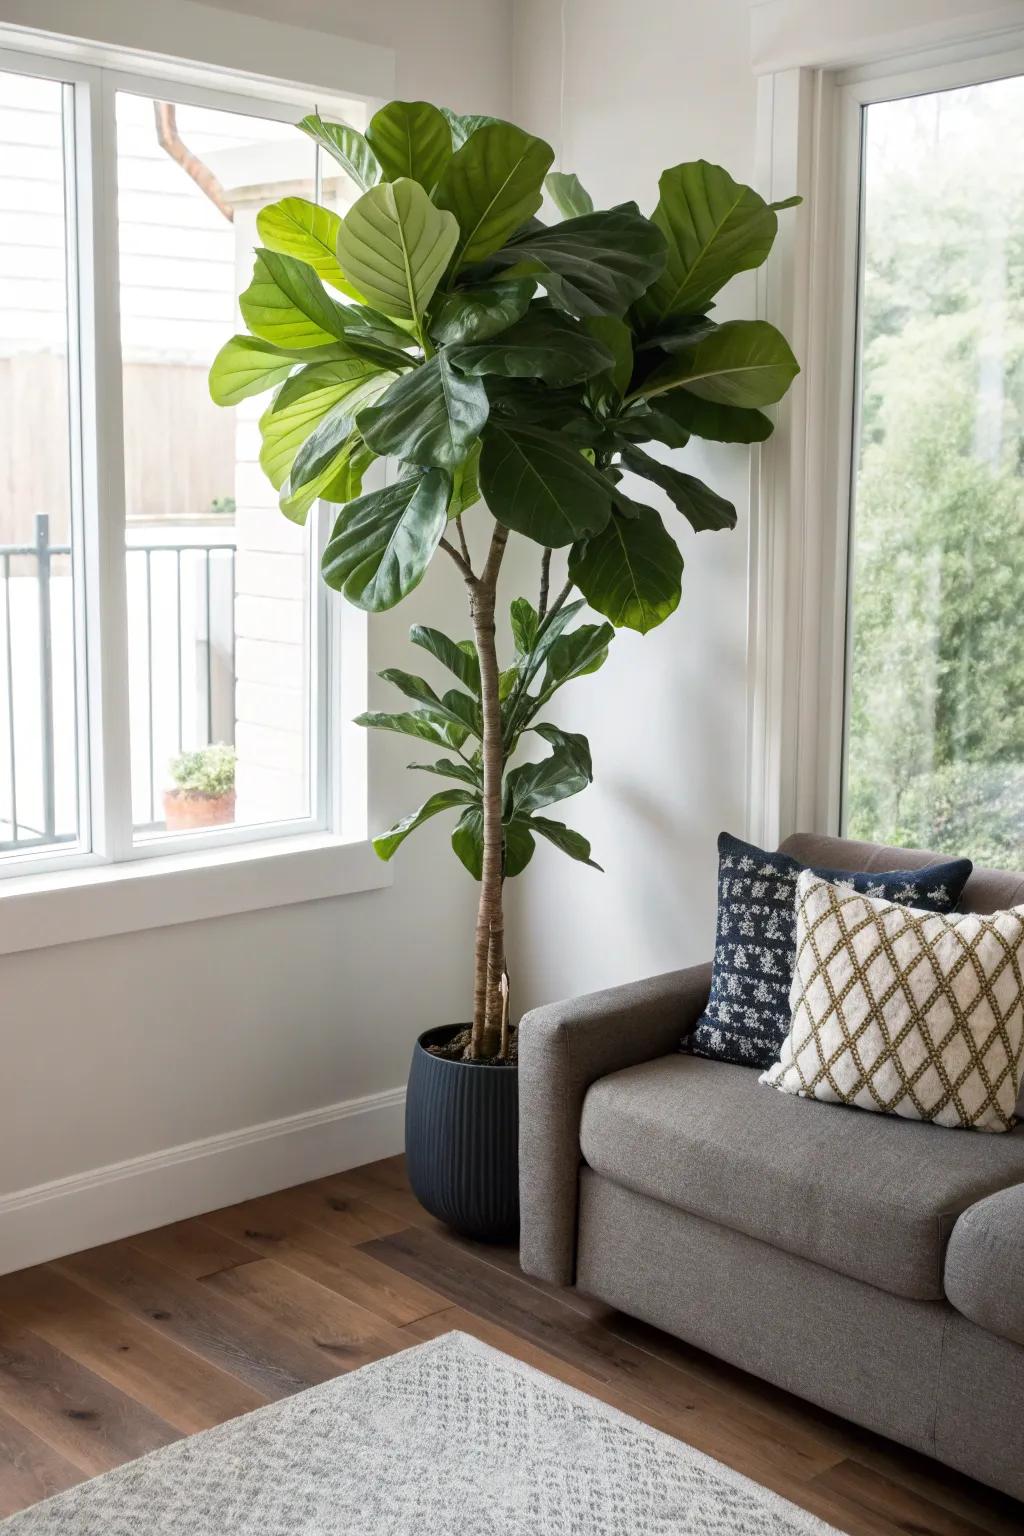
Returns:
(186, 809)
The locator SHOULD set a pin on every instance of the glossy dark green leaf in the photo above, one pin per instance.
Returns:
(631, 572)
(565, 839)
(476, 314)
(644, 423)
(576, 654)
(492, 185)
(675, 332)
(387, 843)
(347, 146)
(464, 710)
(370, 334)
(463, 664)
(394, 245)
(719, 423)
(533, 785)
(715, 227)
(468, 841)
(615, 335)
(336, 476)
(595, 265)
(567, 193)
(571, 744)
(382, 543)
(286, 303)
(410, 138)
(451, 768)
(538, 486)
(517, 847)
(703, 508)
(545, 344)
(307, 231)
(432, 415)
(409, 723)
(745, 363)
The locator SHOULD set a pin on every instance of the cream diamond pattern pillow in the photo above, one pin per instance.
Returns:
(903, 1012)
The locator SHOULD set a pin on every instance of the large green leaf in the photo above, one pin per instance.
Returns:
(538, 485)
(394, 245)
(594, 265)
(525, 622)
(564, 838)
(571, 744)
(567, 193)
(476, 314)
(456, 708)
(298, 228)
(382, 543)
(451, 768)
(335, 475)
(373, 335)
(534, 785)
(304, 400)
(577, 654)
(411, 723)
(464, 124)
(465, 484)
(468, 842)
(545, 344)
(410, 138)
(631, 572)
(430, 416)
(615, 335)
(643, 423)
(247, 365)
(719, 423)
(285, 303)
(492, 185)
(460, 660)
(746, 363)
(715, 227)
(703, 508)
(347, 146)
(385, 844)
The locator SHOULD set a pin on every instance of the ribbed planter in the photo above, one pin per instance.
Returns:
(462, 1141)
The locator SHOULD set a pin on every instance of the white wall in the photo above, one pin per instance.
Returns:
(117, 1048)
(666, 716)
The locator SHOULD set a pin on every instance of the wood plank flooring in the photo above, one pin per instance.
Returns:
(110, 1353)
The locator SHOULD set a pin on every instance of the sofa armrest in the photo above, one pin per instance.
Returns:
(563, 1048)
(984, 1274)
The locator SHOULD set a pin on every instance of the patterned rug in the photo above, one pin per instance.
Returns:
(449, 1437)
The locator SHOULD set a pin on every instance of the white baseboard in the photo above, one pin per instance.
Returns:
(104, 1204)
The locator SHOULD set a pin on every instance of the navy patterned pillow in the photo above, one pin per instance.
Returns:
(747, 1016)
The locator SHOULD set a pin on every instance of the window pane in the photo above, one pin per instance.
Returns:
(218, 579)
(39, 758)
(935, 734)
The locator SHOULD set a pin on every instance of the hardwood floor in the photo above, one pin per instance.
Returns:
(113, 1352)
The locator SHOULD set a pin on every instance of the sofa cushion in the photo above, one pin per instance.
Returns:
(985, 1264)
(871, 1197)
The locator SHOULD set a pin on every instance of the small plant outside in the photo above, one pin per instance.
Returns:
(204, 788)
(510, 371)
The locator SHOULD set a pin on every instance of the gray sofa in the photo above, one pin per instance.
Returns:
(874, 1266)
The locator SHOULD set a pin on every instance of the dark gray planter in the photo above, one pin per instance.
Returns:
(462, 1141)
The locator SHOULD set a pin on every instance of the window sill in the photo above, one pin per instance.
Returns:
(96, 901)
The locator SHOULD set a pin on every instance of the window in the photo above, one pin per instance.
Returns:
(165, 644)
(934, 740)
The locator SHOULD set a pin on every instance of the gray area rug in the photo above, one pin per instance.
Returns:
(449, 1437)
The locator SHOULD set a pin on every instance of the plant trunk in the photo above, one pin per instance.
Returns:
(489, 955)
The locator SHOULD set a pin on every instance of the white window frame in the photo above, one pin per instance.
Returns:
(109, 881)
(810, 124)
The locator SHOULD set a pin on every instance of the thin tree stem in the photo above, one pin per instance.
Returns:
(560, 600)
(462, 563)
(545, 582)
(462, 542)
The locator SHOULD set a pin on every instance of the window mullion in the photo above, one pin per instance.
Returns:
(103, 467)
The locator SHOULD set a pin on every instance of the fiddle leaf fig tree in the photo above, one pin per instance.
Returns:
(512, 372)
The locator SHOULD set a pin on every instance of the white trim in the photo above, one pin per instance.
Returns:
(65, 907)
(115, 1201)
(190, 40)
(833, 34)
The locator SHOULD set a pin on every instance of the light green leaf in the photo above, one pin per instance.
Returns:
(304, 400)
(537, 485)
(285, 303)
(347, 146)
(703, 508)
(462, 663)
(465, 484)
(394, 245)
(545, 344)
(382, 543)
(631, 572)
(463, 125)
(715, 227)
(295, 227)
(525, 624)
(746, 363)
(492, 185)
(476, 314)
(246, 366)
(564, 838)
(338, 476)
(719, 423)
(387, 843)
(410, 138)
(432, 415)
(595, 265)
(568, 195)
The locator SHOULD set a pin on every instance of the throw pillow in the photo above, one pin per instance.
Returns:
(747, 1016)
(905, 1013)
